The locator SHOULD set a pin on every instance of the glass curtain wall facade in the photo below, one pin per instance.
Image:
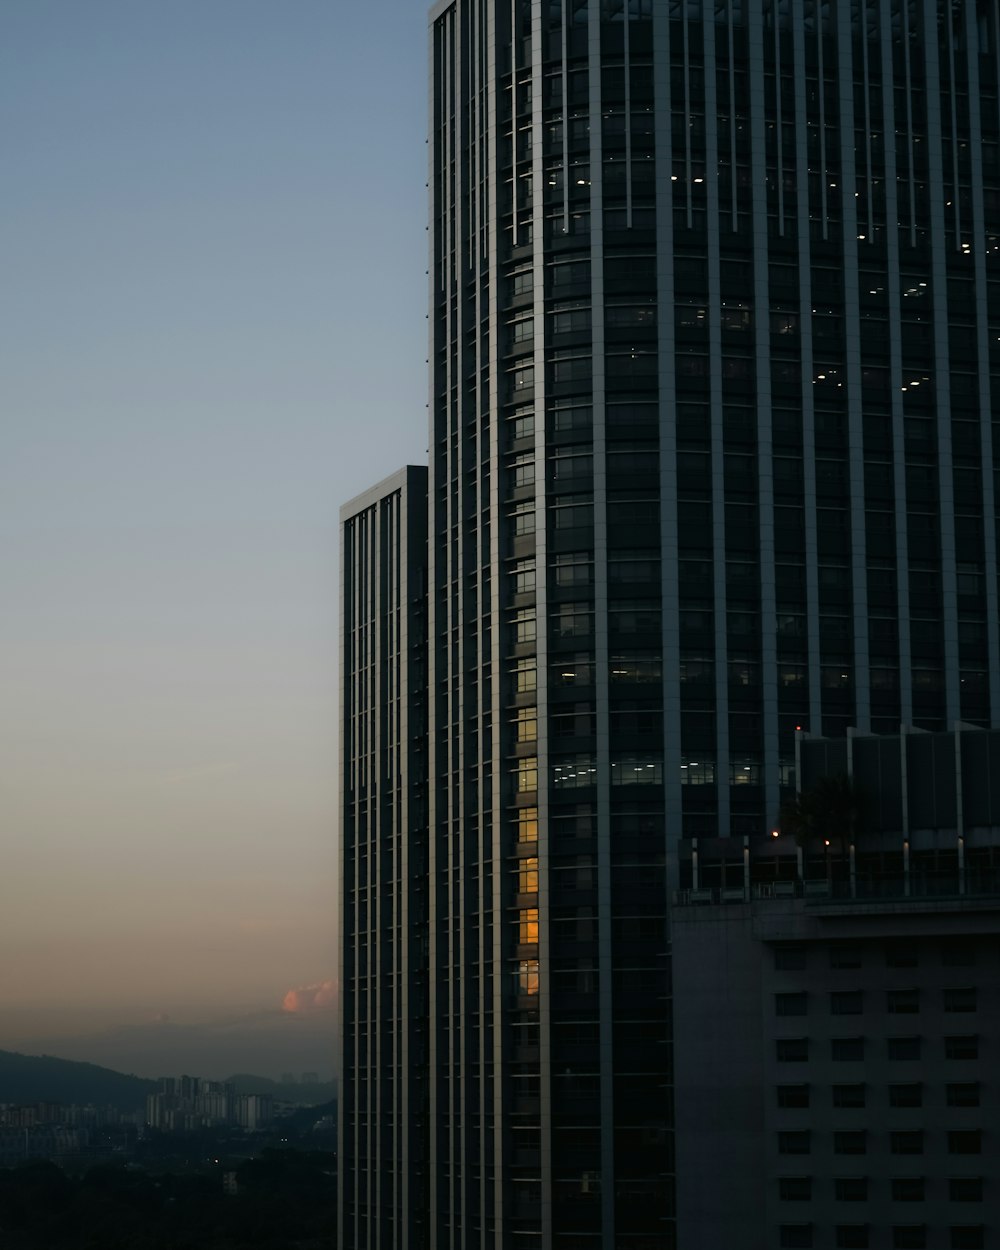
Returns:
(715, 357)
(382, 1095)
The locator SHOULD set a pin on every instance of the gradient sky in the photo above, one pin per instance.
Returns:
(212, 333)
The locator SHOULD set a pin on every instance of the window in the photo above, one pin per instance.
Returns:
(635, 668)
(527, 876)
(965, 1094)
(851, 1188)
(573, 568)
(965, 1142)
(526, 676)
(637, 770)
(966, 1237)
(848, 1049)
(848, 1095)
(850, 1143)
(523, 572)
(575, 772)
(792, 1049)
(574, 670)
(963, 999)
(794, 1143)
(523, 518)
(795, 1188)
(574, 620)
(793, 1096)
(908, 1095)
(526, 975)
(571, 418)
(527, 926)
(523, 469)
(907, 1142)
(965, 1189)
(523, 328)
(903, 1048)
(795, 1236)
(526, 724)
(522, 423)
(527, 824)
(790, 958)
(852, 1237)
(571, 512)
(909, 1237)
(791, 1004)
(902, 1002)
(527, 774)
(908, 1189)
(521, 281)
(846, 1002)
(525, 629)
(965, 1047)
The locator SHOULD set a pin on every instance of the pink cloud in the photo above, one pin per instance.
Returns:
(311, 997)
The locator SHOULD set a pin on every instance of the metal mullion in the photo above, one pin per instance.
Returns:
(765, 453)
(668, 439)
(810, 525)
(821, 80)
(908, 96)
(953, 110)
(539, 396)
(852, 340)
(983, 359)
(731, 69)
(866, 80)
(627, 61)
(894, 296)
(778, 121)
(718, 503)
(565, 113)
(496, 655)
(687, 121)
(600, 540)
(939, 287)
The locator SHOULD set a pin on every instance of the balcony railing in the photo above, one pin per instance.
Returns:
(862, 890)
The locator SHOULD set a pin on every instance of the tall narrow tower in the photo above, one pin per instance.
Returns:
(715, 365)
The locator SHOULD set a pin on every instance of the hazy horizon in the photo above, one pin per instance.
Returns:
(213, 247)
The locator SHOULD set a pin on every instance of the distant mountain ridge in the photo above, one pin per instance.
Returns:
(43, 1078)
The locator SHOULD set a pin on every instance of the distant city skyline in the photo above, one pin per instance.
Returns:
(197, 239)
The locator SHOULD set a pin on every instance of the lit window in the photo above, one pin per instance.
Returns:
(527, 976)
(526, 675)
(575, 772)
(527, 876)
(527, 824)
(637, 770)
(527, 926)
(527, 774)
(527, 724)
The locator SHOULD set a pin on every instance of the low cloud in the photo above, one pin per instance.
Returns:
(318, 997)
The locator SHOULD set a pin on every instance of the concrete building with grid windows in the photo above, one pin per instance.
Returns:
(714, 377)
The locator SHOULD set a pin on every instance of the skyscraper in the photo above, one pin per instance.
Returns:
(715, 357)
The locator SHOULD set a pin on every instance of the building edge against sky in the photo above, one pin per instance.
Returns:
(715, 315)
